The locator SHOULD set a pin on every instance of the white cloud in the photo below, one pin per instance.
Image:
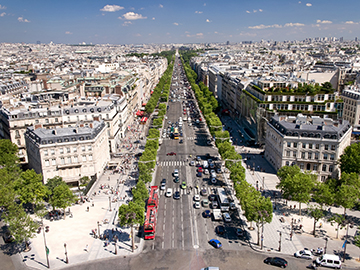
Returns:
(132, 16)
(262, 26)
(2, 7)
(293, 24)
(153, 18)
(199, 34)
(137, 35)
(111, 8)
(68, 33)
(175, 23)
(299, 2)
(161, 6)
(127, 23)
(204, 4)
(3, 14)
(248, 11)
(351, 22)
(254, 10)
(21, 19)
(208, 21)
(260, 10)
(308, 4)
(198, 12)
(324, 21)
(216, 32)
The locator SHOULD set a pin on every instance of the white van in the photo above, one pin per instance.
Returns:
(205, 164)
(329, 260)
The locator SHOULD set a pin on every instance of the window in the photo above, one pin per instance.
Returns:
(289, 144)
(301, 166)
(47, 163)
(333, 147)
(324, 168)
(315, 167)
(56, 120)
(316, 155)
(303, 155)
(52, 151)
(18, 142)
(69, 160)
(90, 157)
(308, 166)
(62, 160)
(89, 148)
(83, 148)
(61, 151)
(76, 160)
(47, 121)
(83, 158)
(295, 144)
(309, 155)
(317, 146)
(332, 157)
(294, 154)
(304, 145)
(68, 150)
(17, 133)
(288, 153)
(74, 149)
(53, 161)
(326, 147)
(37, 121)
(46, 152)
(325, 156)
(331, 168)
(287, 163)
(310, 146)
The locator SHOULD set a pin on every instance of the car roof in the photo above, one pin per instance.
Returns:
(215, 240)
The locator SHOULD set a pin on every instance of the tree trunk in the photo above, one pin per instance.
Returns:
(314, 227)
(300, 208)
(337, 233)
(132, 238)
(64, 213)
(344, 211)
(258, 234)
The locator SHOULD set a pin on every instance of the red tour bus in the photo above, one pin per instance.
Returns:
(150, 223)
(151, 211)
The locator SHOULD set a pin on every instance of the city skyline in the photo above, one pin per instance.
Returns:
(118, 22)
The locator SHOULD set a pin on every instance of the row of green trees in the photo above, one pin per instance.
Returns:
(303, 187)
(147, 161)
(20, 189)
(256, 208)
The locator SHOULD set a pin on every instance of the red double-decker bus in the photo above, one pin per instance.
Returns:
(153, 200)
(151, 211)
(150, 223)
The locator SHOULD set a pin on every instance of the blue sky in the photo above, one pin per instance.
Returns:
(168, 21)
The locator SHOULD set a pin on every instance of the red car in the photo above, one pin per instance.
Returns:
(171, 154)
(200, 169)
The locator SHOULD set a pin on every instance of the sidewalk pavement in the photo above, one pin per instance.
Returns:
(98, 213)
(284, 218)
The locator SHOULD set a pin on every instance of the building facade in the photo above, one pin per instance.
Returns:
(314, 144)
(70, 153)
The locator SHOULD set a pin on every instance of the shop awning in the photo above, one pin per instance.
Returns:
(144, 104)
(151, 92)
(144, 119)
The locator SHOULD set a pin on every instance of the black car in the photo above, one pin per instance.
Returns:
(276, 261)
(138, 155)
(212, 197)
(207, 214)
(181, 141)
(220, 230)
(177, 195)
(176, 179)
(163, 181)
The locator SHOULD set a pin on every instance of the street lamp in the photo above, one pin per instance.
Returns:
(115, 239)
(98, 223)
(280, 243)
(109, 203)
(264, 183)
(326, 242)
(66, 255)
(47, 251)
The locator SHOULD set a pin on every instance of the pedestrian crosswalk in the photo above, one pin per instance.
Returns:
(176, 163)
(191, 190)
(204, 138)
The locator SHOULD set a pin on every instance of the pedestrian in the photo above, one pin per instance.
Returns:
(86, 248)
(291, 235)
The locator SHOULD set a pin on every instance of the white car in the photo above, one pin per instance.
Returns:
(226, 217)
(197, 197)
(206, 171)
(168, 192)
(213, 180)
(192, 163)
(164, 135)
(305, 254)
(197, 205)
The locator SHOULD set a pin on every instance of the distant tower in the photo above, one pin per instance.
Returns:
(356, 39)
(341, 39)
(38, 42)
(227, 42)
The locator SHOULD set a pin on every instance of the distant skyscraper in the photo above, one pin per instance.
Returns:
(356, 39)
(227, 42)
(38, 42)
(341, 39)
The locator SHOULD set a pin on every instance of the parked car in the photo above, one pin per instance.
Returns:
(203, 192)
(226, 217)
(277, 261)
(207, 214)
(192, 163)
(220, 229)
(197, 205)
(196, 197)
(304, 254)
(215, 243)
(240, 232)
